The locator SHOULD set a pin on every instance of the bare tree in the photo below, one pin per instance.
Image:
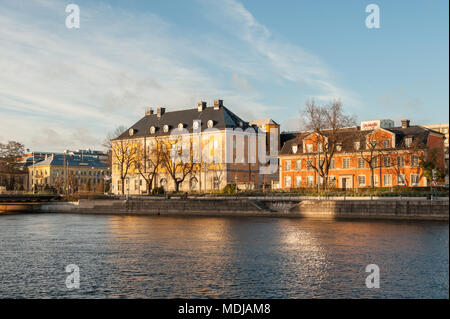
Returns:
(112, 135)
(326, 122)
(149, 161)
(10, 154)
(124, 154)
(176, 165)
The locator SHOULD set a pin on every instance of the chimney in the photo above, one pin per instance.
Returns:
(201, 106)
(160, 111)
(218, 104)
(148, 112)
(405, 123)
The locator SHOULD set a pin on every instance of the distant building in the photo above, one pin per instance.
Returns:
(67, 172)
(395, 156)
(13, 179)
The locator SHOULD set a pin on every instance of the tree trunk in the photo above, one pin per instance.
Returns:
(123, 186)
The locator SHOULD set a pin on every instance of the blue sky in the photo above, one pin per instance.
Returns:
(65, 88)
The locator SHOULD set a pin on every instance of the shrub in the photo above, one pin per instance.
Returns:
(229, 189)
(158, 190)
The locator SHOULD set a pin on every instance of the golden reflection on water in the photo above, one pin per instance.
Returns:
(189, 257)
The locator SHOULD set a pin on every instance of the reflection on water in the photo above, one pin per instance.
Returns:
(165, 257)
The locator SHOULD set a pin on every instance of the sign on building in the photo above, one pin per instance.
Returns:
(376, 124)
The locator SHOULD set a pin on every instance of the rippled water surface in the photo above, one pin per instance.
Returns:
(167, 257)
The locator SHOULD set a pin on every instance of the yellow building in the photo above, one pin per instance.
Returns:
(222, 148)
(68, 173)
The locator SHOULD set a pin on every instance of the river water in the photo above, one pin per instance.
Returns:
(206, 257)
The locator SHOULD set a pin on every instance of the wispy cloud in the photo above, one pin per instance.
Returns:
(62, 88)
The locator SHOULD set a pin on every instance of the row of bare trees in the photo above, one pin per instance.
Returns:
(148, 161)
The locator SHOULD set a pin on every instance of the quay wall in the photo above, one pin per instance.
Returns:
(337, 209)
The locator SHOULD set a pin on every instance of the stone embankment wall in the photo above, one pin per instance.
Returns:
(372, 209)
(386, 209)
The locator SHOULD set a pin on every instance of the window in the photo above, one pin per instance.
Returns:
(386, 161)
(414, 160)
(332, 163)
(321, 162)
(180, 126)
(375, 180)
(345, 163)
(216, 182)
(415, 179)
(361, 180)
(374, 162)
(196, 124)
(401, 180)
(309, 180)
(152, 130)
(320, 147)
(361, 162)
(408, 141)
(387, 143)
(309, 165)
(298, 181)
(309, 148)
(332, 181)
(131, 132)
(339, 147)
(287, 165)
(320, 180)
(166, 128)
(298, 164)
(400, 161)
(357, 145)
(387, 180)
(294, 149)
(287, 181)
(136, 184)
(210, 123)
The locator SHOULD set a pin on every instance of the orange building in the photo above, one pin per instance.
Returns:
(376, 153)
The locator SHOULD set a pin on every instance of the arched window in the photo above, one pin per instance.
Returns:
(163, 182)
(180, 126)
(152, 130)
(210, 123)
(166, 128)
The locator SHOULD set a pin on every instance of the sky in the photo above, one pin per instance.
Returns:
(64, 88)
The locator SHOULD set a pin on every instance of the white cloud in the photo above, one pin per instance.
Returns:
(64, 88)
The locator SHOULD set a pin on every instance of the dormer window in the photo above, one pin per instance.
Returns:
(180, 126)
(210, 123)
(294, 149)
(309, 148)
(339, 147)
(166, 128)
(131, 131)
(196, 124)
(357, 145)
(152, 130)
(408, 141)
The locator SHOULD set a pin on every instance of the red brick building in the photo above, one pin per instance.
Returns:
(388, 155)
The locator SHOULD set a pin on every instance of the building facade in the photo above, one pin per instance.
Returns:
(443, 128)
(218, 141)
(380, 155)
(68, 172)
